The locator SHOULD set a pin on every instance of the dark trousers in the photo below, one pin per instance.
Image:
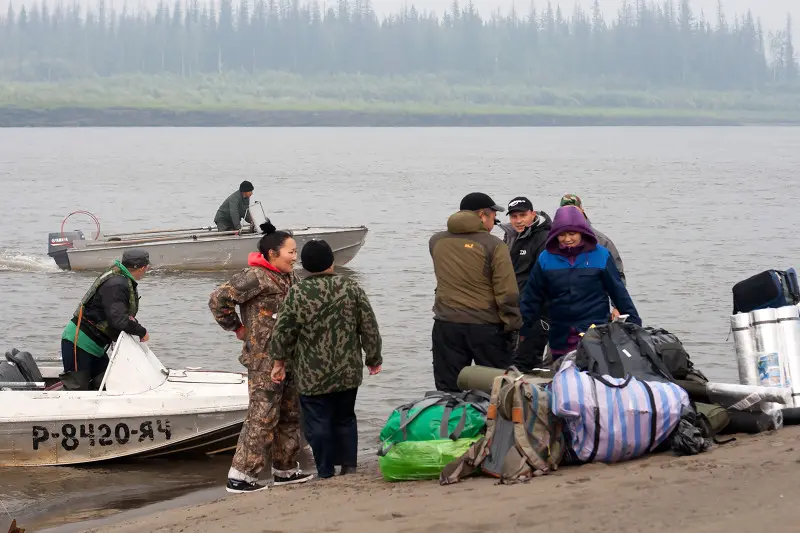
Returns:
(331, 428)
(530, 353)
(456, 346)
(89, 366)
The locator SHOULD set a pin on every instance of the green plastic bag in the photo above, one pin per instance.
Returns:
(418, 460)
(423, 420)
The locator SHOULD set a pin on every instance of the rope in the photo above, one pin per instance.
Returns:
(75, 340)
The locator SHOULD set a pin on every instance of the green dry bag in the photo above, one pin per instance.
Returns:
(439, 415)
(417, 460)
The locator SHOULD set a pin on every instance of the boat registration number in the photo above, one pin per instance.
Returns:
(72, 435)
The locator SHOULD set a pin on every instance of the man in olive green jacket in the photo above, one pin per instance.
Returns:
(476, 310)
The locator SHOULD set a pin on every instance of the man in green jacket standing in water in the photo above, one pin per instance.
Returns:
(108, 308)
(230, 214)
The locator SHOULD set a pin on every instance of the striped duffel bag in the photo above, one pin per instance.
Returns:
(611, 419)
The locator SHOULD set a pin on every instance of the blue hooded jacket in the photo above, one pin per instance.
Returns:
(576, 283)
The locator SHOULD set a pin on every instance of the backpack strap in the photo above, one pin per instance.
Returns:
(653, 417)
(607, 383)
(405, 420)
(611, 353)
(444, 432)
(596, 443)
(421, 406)
(492, 414)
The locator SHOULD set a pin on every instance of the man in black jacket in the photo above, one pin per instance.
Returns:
(526, 235)
(108, 308)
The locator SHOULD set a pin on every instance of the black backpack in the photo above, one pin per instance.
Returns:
(619, 350)
(771, 288)
(671, 351)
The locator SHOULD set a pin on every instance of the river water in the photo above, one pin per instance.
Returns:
(691, 210)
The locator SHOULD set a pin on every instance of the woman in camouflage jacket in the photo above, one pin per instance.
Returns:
(271, 429)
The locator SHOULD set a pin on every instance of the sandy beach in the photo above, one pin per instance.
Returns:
(747, 485)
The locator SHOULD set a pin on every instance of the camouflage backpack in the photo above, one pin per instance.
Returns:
(523, 438)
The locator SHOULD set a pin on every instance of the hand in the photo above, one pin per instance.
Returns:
(145, 338)
(278, 372)
(614, 314)
(374, 370)
(241, 333)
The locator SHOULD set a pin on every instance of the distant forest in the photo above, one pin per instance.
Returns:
(649, 44)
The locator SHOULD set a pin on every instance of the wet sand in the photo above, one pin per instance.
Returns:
(742, 486)
(64, 497)
(51, 496)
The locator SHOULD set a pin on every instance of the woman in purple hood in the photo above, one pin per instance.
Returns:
(576, 276)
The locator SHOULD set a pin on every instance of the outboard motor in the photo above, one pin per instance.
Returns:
(58, 244)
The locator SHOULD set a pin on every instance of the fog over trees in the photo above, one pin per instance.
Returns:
(648, 44)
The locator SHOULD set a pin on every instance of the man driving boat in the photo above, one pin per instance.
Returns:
(230, 214)
(108, 308)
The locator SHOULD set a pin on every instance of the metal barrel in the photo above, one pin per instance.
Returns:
(789, 336)
(745, 347)
(765, 328)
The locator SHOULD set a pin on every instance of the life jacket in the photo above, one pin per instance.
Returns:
(523, 438)
(133, 300)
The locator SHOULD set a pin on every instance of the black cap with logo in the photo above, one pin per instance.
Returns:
(520, 203)
(478, 200)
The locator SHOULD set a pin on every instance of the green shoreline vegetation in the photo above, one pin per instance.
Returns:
(270, 62)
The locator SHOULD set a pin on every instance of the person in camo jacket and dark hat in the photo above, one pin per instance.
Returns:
(324, 325)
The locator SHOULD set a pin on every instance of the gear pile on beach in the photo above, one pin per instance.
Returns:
(624, 392)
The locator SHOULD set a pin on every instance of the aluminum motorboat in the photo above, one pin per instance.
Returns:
(200, 248)
(142, 409)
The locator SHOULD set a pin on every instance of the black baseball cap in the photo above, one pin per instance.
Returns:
(478, 200)
(520, 203)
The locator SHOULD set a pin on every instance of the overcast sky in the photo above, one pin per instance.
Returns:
(772, 12)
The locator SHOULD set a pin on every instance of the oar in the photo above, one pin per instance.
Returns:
(203, 228)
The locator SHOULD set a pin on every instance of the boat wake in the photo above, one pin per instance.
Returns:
(14, 261)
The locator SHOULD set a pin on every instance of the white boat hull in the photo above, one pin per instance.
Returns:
(93, 439)
(143, 410)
